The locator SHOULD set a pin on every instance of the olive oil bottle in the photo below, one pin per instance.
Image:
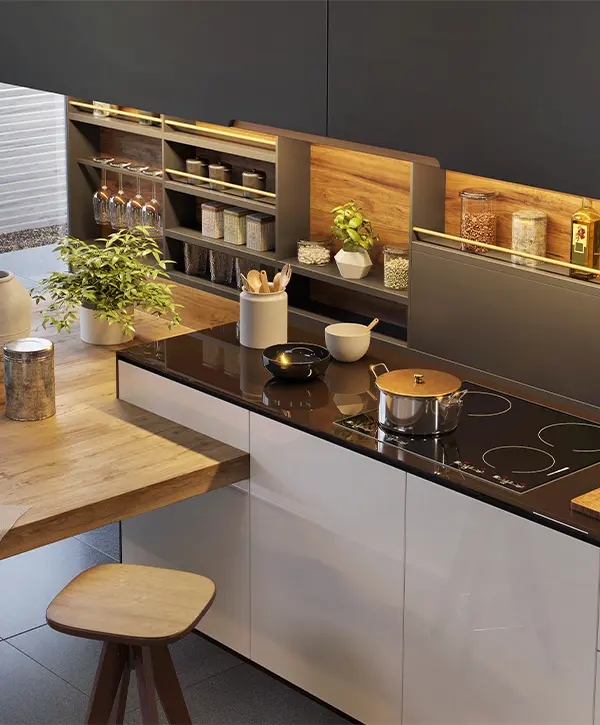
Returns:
(585, 239)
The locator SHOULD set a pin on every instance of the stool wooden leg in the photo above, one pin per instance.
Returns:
(145, 682)
(168, 687)
(118, 714)
(106, 683)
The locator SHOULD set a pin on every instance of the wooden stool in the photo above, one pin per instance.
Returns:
(137, 611)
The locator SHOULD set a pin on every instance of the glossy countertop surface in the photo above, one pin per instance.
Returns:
(213, 361)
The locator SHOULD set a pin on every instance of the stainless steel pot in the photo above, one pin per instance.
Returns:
(418, 402)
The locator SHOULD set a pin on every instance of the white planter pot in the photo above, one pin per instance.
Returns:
(353, 265)
(15, 309)
(97, 331)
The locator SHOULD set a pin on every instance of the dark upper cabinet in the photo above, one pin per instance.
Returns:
(501, 89)
(256, 60)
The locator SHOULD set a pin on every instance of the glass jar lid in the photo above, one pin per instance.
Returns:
(532, 215)
(324, 242)
(414, 383)
(396, 249)
(478, 194)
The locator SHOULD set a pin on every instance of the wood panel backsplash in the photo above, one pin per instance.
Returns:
(512, 197)
(380, 185)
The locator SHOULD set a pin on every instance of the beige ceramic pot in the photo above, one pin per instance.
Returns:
(15, 309)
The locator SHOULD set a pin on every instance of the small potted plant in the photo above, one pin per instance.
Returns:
(356, 235)
(107, 280)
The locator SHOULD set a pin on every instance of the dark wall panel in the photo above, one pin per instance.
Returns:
(256, 60)
(501, 89)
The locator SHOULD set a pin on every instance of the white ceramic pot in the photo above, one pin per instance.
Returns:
(263, 319)
(346, 341)
(353, 265)
(97, 331)
(15, 309)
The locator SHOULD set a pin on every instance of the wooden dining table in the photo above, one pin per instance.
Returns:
(99, 459)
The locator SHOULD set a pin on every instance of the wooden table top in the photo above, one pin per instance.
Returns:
(100, 460)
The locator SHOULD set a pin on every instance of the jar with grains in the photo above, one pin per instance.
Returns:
(314, 251)
(477, 218)
(529, 235)
(395, 267)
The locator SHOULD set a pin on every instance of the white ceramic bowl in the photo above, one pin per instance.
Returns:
(346, 341)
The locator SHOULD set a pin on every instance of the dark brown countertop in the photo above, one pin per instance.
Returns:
(213, 361)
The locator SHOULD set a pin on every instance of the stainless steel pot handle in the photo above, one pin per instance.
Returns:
(373, 369)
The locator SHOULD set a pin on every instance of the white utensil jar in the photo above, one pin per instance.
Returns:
(263, 319)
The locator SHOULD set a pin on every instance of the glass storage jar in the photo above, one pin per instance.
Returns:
(477, 218)
(242, 267)
(529, 235)
(221, 267)
(314, 251)
(195, 259)
(395, 267)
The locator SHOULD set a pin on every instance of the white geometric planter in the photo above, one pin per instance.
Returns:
(15, 309)
(97, 331)
(353, 265)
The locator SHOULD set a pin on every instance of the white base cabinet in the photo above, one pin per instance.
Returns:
(500, 616)
(327, 570)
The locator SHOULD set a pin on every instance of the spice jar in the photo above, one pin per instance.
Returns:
(395, 267)
(212, 219)
(221, 267)
(529, 235)
(235, 225)
(477, 218)
(198, 167)
(255, 180)
(260, 232)
(314, 251)
(220, 172)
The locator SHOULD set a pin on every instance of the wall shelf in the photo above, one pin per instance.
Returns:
(191, 236)
(204, 284)
(221, 146)
(125, 172)
(372, 284)
(232, 197)
(116, 124)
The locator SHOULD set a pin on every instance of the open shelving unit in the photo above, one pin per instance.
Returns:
(319, 292)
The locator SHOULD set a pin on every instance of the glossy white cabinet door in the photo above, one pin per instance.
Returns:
(327, 570)
(500, 616)
(597, 698)
(210, 535)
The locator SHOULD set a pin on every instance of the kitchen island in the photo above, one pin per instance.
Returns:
(397, 588)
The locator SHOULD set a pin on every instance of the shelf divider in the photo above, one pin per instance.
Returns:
(116, 124)
(232, 198)
(191, 236)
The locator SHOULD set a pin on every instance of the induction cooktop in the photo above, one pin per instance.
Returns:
(503, 440)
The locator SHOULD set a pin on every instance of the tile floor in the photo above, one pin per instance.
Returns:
(46, 677)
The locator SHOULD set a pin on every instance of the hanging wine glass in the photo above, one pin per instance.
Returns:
(133, 211)
(100, 202)
(152, 215)
(117, 206)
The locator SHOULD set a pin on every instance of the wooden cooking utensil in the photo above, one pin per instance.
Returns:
(371, 325)
(254, 280)
(276, 282)
(265, 289)
(284, 280)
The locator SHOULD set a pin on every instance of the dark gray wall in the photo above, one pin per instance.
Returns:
(526, 325)
(257, 60)
(501, 89)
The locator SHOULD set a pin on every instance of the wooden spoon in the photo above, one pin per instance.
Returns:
(254, 280)
(371, 325)
(284, 279)
(276, 282)
(265, 289)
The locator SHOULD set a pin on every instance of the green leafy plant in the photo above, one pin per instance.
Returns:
(111, 276)
(352, 228)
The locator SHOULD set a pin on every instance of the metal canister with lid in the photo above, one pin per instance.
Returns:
(219, 172)
(253, 179)
(29, 379)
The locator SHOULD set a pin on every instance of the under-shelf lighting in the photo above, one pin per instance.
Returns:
(223, 132)
(227, 184)
(115, 111)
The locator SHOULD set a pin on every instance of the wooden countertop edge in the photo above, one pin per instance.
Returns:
(137, 501)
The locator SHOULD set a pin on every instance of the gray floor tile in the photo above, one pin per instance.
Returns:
(31, 580)
(32, 263)
(106, 539)
(75, 659)
(30, 695)
(245, 695)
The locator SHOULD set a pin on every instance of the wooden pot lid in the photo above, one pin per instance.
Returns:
(418, 383)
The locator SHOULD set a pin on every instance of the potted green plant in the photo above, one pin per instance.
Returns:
(107, 280)
(356, 234)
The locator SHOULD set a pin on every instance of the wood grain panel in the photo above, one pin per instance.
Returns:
(588, 503)
(379, 184)
(511, 198)
(132, 147)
